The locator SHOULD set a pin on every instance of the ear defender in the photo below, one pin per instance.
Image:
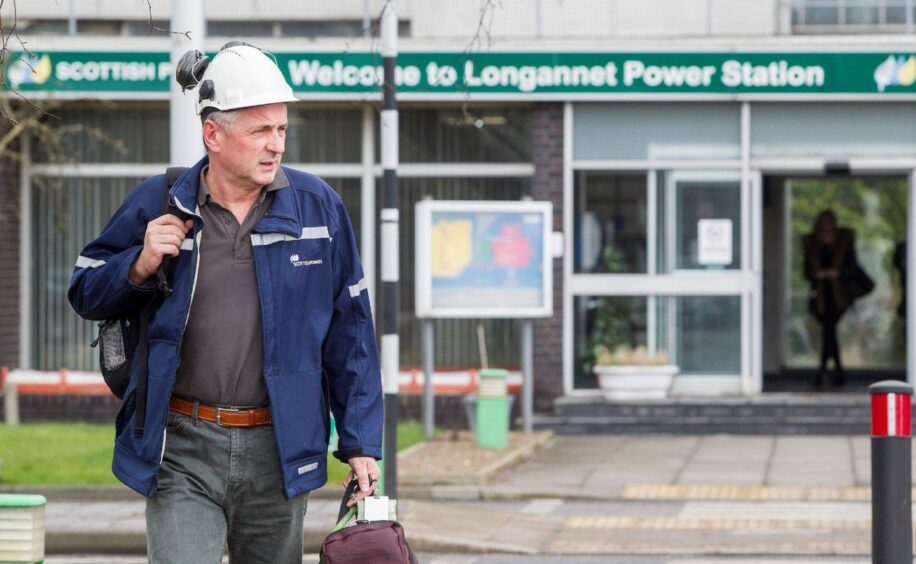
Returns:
(207, 91)
(191, 67)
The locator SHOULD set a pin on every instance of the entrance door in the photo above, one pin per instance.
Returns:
(870, 333)
(705, 252)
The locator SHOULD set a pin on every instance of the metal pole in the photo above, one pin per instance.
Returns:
(390, 248)
(367, 21)
(429, 404)
(71, 19)
(185, 143)
(708, 17)
(891, 483)
(527, 374)
(910, 4)
(785, 17)
(540, 19)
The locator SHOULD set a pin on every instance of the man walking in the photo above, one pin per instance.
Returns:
(267, 327)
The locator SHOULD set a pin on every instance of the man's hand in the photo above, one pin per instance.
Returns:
(163, 238)
(362, 467)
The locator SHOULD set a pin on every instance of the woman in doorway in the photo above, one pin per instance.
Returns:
(836, 281)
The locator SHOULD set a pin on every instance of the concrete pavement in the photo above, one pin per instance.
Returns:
(687, 496)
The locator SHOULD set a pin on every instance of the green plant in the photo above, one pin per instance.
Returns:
(630, 356)
(613, 317)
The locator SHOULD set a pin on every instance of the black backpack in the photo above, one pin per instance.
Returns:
(123, 338)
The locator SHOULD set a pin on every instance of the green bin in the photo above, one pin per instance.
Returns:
(492, 409)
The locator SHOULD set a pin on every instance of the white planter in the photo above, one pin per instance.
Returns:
(625, 382)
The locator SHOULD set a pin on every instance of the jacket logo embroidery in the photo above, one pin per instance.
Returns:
(294, 260)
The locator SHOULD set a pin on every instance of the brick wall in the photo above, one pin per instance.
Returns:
(9, 262)
(547, 184)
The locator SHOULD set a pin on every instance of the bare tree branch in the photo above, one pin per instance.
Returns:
(152, 26)
(484, 27)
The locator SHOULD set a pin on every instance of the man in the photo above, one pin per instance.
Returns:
(267, 327)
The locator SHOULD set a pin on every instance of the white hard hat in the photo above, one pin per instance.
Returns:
(239, 76)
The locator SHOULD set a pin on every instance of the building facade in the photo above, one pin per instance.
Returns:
(684, 144)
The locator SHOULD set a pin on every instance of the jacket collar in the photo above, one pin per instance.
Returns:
(283, 216)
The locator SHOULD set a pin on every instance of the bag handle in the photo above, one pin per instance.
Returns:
(347, 513)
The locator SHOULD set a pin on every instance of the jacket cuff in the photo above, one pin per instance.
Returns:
(345, 454)
(131, 255)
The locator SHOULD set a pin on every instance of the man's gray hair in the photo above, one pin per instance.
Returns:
(224, 119)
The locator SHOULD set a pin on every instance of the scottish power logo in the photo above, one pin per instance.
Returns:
(896, 71)
(83, 71)
(29, 70)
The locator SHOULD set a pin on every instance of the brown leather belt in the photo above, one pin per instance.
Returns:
(227, 417)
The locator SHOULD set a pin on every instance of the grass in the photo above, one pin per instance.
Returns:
(80, 453)
(57, 453)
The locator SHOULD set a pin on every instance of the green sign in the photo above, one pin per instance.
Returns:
(520, 74)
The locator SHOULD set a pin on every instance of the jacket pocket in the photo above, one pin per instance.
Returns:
(298, 418)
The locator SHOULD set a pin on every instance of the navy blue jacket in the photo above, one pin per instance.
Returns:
(319, 342)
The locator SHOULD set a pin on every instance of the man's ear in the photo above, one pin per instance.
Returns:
(211, 137)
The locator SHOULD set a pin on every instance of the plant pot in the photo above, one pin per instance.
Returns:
(631, 382)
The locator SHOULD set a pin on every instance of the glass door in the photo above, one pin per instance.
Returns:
(705, 255)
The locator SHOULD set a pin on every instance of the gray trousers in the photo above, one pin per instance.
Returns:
(222, 486)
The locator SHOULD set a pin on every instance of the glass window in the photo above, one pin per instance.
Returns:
(821, 13)
(40, 27)
(862, 12)
(896, 12)
(708, 227)
(833, 130)
(707, 333)
(456, 339)
(66, 215)
(849, 15)
(628, 130)
(701, 335)
(144, 28)
(240, 29)
(610, 222)
(105, 134)
(324, 136)
(336, 28)
(473, 135)
(98, 27)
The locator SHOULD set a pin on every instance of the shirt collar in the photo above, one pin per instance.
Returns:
(203, 191)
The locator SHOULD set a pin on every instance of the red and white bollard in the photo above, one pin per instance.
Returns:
(891, 483)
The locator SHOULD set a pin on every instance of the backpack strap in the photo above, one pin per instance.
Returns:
(162, 285)
(172, 174)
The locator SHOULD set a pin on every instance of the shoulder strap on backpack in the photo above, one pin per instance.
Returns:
(171, 176)
(162, 285)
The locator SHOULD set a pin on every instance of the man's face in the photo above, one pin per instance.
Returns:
(250, 150)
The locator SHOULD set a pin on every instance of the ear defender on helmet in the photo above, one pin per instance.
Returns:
(190, 69)
(207, 91)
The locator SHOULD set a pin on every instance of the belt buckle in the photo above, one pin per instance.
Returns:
(219, 413)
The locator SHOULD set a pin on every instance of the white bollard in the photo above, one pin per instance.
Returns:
(11, 403)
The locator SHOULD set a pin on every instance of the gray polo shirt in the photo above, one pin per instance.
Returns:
(222, 358)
